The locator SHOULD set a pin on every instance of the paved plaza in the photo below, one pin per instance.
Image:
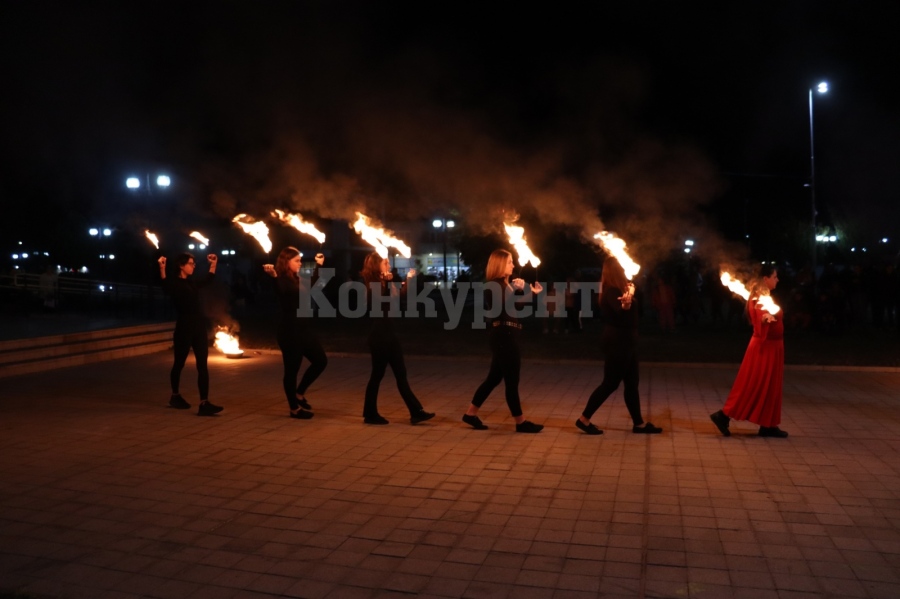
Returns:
(106, 493)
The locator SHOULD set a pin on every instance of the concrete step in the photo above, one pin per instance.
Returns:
(23, 356)
(20, 344)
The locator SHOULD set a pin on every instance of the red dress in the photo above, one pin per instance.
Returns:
(756, 393)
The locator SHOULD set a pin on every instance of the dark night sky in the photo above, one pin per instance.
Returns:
(649, 113)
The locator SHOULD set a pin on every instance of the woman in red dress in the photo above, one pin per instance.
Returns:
(756, 393)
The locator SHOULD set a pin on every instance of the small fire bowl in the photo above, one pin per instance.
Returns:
(235, 356)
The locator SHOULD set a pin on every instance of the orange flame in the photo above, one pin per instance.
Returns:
(765, 301)
(615, 247)
(256, 229)
(298, 223)
(152, 237)
(200, 237)
(516, 236)
(379, 238)
(227, 344)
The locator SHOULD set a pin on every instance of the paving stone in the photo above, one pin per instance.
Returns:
(113, 495)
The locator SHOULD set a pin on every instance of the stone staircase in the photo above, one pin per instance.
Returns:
(23, 356)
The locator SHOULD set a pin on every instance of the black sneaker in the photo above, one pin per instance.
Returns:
(208, 409)
(772, 431)
(376, 419)
(588, 428)
(302, 414)
(475, 422)
(721, 421)
(420, 416)
(648, 429)
(304, 404)
(529, 427)
(178, 402)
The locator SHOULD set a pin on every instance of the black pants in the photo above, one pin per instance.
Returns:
(506, 365)
(386, 351)
(620, 365)
(295, 345)
(184, 340)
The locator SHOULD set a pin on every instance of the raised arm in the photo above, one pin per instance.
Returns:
(320, 260)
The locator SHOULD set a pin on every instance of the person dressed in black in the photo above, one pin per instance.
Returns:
(190, 329)
(296, 338)
(506, 362)
(384, 343)
(619, 342)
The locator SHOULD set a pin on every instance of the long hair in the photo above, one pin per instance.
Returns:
(281, 263)
(613, 275)
(496, 266)
(371, 270)
(759, 287)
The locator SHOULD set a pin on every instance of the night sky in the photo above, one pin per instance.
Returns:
(650, 120)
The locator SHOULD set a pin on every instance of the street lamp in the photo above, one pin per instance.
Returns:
(162, 182)
(99, 233)
(820, 88)
(443, 225)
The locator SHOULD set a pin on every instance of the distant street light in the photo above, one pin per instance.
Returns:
(443, 225)
(821, 88)
(99, 234)
(162, 182)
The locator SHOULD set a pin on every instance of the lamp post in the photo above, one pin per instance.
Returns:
(99, 233)
(143, 190)
(444, 224)
(162, 182)
(820, 88)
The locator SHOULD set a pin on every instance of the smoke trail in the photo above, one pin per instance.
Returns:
(397, 154)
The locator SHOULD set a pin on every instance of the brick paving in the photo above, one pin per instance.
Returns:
(107, 493)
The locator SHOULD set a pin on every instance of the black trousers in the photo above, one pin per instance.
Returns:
(386, 351)
(296, 344)
(506, 366)
(620, 366)
(185, 339)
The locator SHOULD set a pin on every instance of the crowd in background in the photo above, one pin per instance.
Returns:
(682, 293)
(675, 294)
(843, 297)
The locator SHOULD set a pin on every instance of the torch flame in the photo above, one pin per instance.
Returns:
(152, 237)
(516, 236)
(298, 223)
(200, 237)
(765, 301)
(379, 238)
(227, 344)
(256, 229)
(615, 246)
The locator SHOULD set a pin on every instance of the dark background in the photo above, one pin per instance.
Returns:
(657, 121)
